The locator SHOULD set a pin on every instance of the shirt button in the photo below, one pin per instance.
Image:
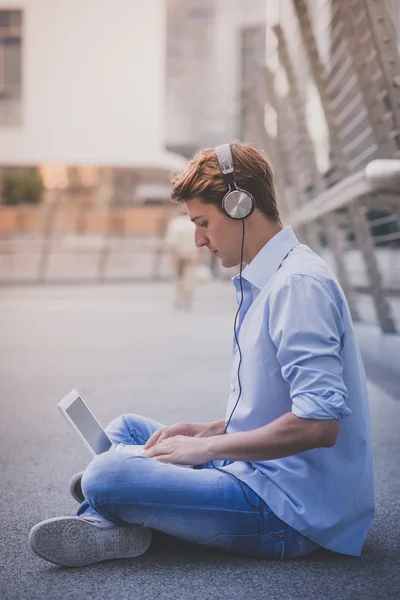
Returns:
(281, 534)
(232, 388)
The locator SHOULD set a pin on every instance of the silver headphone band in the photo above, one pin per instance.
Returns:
(237, 203)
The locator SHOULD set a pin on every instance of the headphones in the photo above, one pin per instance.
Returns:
(237, 203)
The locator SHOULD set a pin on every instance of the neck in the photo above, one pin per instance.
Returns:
(257, 234)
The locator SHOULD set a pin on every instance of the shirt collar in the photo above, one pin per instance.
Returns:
(260, 270)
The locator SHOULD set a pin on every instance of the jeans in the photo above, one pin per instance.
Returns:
(200, 504)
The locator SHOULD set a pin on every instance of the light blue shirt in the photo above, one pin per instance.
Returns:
(299, 354)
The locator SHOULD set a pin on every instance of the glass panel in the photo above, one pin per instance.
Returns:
(4, 18)
(16, 18)
(10, 18)
(12, 63)
(10, 112)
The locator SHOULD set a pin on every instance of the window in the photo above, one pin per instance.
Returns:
(10, 67)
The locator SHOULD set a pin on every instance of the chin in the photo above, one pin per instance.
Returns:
(225, 262)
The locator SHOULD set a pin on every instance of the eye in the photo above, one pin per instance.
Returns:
(204, 224)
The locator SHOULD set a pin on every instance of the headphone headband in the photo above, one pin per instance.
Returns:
(237, 203)
(225, 161)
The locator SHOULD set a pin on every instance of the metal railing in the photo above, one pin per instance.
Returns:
(353, 63)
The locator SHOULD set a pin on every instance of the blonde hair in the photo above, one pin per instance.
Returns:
(202, 177)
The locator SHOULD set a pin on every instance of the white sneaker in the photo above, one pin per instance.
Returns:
(75, 487)
(80, 541)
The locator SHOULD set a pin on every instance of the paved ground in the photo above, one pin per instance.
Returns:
(126, 351)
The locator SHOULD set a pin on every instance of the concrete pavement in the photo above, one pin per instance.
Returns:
(124, 349)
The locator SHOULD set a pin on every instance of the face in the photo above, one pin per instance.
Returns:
(215, 230)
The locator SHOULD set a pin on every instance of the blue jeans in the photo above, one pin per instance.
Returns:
(200, 504)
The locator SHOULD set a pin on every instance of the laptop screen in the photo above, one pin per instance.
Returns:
(88, 426)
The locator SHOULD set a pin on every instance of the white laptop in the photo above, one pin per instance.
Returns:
(87, 427)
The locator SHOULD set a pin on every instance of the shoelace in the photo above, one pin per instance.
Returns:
(99, 521)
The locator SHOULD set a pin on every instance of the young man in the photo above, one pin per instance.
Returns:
(289, 469)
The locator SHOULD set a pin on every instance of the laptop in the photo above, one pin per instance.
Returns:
(88, 429)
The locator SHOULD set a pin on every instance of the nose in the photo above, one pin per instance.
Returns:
(200, 239)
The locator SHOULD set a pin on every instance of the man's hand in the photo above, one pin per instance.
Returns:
(181, 450)
(185, 429)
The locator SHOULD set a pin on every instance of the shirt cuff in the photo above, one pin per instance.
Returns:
(310, 406)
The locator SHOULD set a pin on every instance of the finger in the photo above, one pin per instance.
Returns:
(153, 451)
(155, 454)
(159, 449)
(154, 438)
(164, 452)
(165, 436)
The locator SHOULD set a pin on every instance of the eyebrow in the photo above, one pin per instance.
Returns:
(197, 218)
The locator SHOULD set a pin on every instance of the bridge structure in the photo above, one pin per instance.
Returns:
(333, 72)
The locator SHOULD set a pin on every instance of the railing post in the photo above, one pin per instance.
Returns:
(364, 238)
(306, 232)
(54, 204)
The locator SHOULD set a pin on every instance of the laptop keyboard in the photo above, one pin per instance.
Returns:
(136, 450)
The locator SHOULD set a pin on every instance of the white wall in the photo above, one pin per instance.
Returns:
(93, 84)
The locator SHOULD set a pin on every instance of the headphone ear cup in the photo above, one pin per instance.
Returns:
(238, 204)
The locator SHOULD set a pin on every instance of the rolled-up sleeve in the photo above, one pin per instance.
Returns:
(306, 327)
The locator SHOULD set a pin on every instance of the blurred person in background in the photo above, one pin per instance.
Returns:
(179, 241)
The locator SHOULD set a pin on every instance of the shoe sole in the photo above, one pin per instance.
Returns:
(74, 542)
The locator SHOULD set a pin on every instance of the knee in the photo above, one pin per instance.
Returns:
(101, 477)
(131, 428)
(123, 425)
(118, 424)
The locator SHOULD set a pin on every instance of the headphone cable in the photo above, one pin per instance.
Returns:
(259, 508)
(235, 329)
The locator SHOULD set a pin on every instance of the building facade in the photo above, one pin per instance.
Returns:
(83, 83)
(205, 45)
